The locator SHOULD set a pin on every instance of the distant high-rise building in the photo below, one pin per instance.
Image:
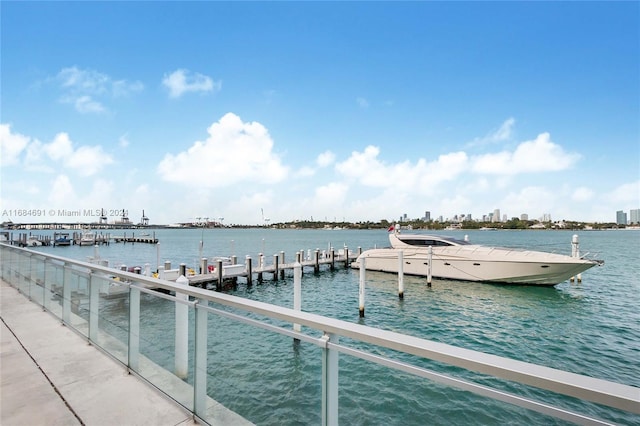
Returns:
(621, 218)
(546, 217)
(634, 217)
(496, 216)
(427, 216)
(524, 216)
(504, 218)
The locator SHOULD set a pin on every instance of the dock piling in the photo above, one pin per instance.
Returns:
(401, 274)
(297, 290)
(363, 271)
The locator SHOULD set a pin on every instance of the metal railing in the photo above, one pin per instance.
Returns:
(82, 295)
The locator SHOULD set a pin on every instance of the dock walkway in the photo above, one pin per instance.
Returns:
(50, 376)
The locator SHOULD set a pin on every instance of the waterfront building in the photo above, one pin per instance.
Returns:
(427, 216)
(634, 217)
(621, 218)
(496, 216)
(524, 216)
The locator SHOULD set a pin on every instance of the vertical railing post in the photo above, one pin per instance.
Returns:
(182, 330)
(94, 306)
(329, 382)
(134, 327)
(46, 285)
(28, 274)
(66, 294)
(297, 291)
(200, 361)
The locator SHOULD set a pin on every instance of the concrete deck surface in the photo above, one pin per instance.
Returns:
(49, 375)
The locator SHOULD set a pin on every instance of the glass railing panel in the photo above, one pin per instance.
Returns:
(157, 355)
(78, 282)
(375, 394)
(23, 270)
(37, 279)
(109, 324)
(261, 376)
(54, 279)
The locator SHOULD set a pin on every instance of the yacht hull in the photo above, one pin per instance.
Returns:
(478, 263)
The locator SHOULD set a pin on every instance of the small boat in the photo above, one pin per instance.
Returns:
(88, 238)
(456, 259)
(32, 242)
(62, 240)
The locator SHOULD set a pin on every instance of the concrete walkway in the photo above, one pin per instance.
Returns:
(51, 376)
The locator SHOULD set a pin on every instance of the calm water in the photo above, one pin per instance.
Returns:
(590, 328)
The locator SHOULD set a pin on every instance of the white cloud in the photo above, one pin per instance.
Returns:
(182, 81)
(582, 194)
(366, 168)
(85, 104)
(626, 193)
(82, 88)
(362, 102)
(326, 159)
(85, 160)
(61, 191)
(233, 152)
(539, 155)
(503, 133)
(123, 141)
(11, 145)
(331, 194)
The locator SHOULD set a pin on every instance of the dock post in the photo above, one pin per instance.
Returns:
(260, 266)
(346, 256)
(234, 260)
(299, 256)
(401, 274)
(183, 270)
(249, 271)
(219, 272)
(275, 267)
(203, 266)
(182, 330)
(575, 252)
(282, 263)
(363, 270)
(161, 272)
(297, 291)
(167, 265)
(316, 267)
(157, 255)
(147, 270)
(333, 258)
(430, 258)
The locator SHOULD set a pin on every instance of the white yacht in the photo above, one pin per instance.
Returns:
(460, 260)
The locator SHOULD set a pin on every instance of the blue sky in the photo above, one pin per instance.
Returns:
(326, 110)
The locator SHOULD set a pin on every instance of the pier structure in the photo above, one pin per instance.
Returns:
(220, 270)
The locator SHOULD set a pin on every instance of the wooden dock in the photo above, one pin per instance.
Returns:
(220, 273)
(134, 239)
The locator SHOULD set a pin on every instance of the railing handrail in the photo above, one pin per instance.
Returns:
(596, 390)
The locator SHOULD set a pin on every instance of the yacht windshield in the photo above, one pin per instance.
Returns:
(426, 242)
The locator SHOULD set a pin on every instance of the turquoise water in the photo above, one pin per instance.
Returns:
(590, 328)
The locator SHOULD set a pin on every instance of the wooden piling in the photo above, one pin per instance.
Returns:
(401, 274)
(275, 267)
(249, 270)
(363, 270)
